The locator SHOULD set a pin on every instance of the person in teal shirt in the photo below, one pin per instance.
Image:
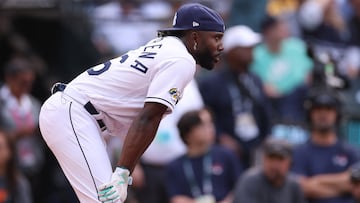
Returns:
(284, 67)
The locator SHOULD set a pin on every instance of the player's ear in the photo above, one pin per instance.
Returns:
(194, 36)
(194, 39)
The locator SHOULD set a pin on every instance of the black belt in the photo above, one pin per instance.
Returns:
(91, 109)
(88, 106)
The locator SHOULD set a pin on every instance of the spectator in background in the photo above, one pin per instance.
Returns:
(350, 67)
(323, 22)
(16, 46)
(13, 44)
(286, 9)
(236, 97)
(206, 173)
(355, 182)
(282, 7)
(117, 20)
(14, 187)
(284, 67)
(272, 183)
(322, 163)
(19, 112)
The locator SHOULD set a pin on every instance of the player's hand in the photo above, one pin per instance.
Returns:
(116, 189)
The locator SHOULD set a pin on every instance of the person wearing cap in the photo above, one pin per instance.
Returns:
(322, 163)
(355, 182)
(271, 182)
(126, 97)
(236, 97)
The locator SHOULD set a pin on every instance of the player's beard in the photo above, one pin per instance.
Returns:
(205, 59)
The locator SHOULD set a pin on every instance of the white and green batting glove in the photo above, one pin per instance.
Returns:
(116, 189)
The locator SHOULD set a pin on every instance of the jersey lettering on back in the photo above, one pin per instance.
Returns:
(139, 66)
(149, 55)
(149, 52)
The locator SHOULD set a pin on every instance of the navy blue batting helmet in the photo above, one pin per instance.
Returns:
(194, 16)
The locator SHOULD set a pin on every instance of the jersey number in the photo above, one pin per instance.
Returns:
(97, 70)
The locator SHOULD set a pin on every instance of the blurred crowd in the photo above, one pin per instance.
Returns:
(277, 121)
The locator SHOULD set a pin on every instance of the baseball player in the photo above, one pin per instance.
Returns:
(127, 95)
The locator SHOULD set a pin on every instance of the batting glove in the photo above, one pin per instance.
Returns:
(116, 189)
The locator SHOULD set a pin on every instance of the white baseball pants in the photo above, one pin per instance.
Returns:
(73, 135)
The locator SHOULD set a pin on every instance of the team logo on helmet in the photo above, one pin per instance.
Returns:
(175, 94)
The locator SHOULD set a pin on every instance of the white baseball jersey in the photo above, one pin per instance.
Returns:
(156, 72)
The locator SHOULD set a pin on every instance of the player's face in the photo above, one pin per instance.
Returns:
(209, 48)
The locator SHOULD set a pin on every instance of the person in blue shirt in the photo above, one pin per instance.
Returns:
(236, 97)
(322, 164)
(206, 172)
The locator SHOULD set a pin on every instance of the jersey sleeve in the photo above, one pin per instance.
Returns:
(169, 82)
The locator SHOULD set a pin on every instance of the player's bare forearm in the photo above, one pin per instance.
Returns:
(141, 134)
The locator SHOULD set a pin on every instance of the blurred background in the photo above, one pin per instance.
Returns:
(303, 45)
